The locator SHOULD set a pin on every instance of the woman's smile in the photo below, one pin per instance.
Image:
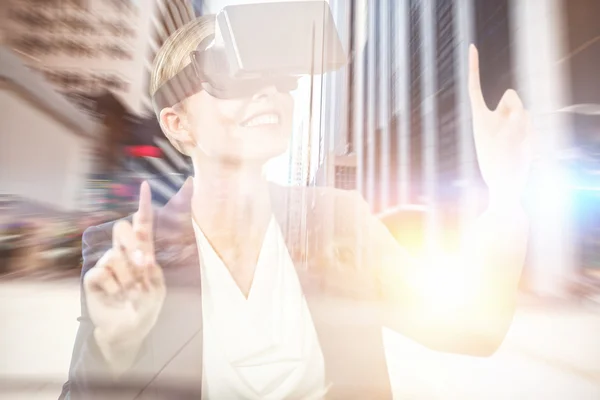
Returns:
(262, 119)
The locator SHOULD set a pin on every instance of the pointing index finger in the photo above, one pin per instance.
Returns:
(144, 212)
(142, 219)
(475, 92)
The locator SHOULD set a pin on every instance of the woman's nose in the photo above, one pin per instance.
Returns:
(264, 93)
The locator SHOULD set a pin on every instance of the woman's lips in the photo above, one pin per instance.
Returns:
(262, 119)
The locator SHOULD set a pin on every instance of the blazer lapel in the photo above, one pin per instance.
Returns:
(177, 337)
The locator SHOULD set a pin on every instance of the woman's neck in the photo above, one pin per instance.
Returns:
(229, 196)
(232, 206)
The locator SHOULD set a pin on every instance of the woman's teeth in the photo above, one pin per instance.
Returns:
(265, 119)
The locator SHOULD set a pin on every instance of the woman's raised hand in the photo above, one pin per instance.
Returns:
(125, 290)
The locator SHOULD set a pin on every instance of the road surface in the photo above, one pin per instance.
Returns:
(551, 352)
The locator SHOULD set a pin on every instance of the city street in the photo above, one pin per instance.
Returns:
(550, 352)
(425, 113)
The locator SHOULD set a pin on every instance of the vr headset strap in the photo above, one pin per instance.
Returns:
(184, 84)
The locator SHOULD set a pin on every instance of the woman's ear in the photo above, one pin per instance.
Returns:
(174, 124)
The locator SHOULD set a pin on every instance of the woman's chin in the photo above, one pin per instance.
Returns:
(255, 156)
(267, 154)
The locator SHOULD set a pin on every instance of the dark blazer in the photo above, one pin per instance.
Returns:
(336, 246)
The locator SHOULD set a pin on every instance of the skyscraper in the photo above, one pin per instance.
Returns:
(409, 107)
(583, 44)
(410, 119)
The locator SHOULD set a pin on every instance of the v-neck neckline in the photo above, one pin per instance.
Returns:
(213, 267)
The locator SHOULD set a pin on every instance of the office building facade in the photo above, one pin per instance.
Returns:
(584, 48)
(84, 47)
(409, 121)
(409, 112)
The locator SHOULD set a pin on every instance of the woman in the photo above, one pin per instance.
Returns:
(214, 296)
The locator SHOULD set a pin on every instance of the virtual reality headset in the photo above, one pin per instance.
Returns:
(256, 46)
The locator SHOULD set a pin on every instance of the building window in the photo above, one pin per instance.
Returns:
(351, 79)
(85, 82)
(51, 20)
(447, 135)
(345, 177)
(378, 151)
(416, 98)
(122, 5)
(117, 52)
(116, 28)
(365, 106)
(394, 126)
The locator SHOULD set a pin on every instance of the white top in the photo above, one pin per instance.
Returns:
(264, 346)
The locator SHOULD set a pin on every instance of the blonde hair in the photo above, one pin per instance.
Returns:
(174, 55)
